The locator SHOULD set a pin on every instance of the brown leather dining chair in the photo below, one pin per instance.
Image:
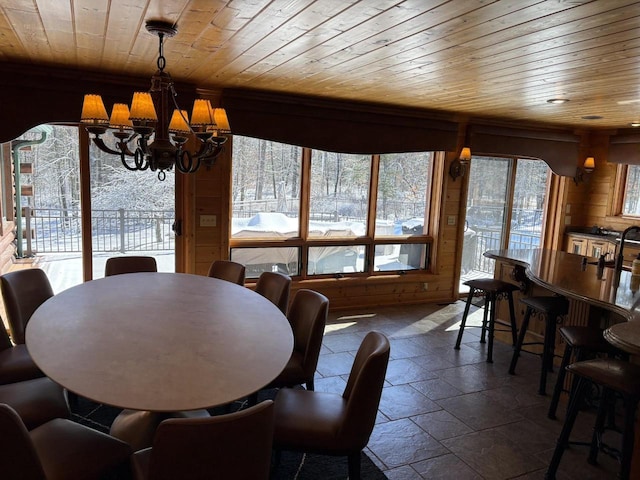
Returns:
(330, 423)
(23, 291)
(57, 450)
(15, 362)
(36, 401)
(275, 287)
(236, 445)
(307, 317)
(129, 264)
(226, 270)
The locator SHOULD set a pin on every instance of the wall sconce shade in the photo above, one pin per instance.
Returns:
(459, 166)
(589, 164)
(583, 172)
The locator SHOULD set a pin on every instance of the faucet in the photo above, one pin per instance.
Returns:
(620, 258)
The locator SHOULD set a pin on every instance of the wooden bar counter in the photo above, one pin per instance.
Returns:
(605, 300)
(574, 276)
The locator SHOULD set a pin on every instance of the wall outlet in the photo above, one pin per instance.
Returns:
(451, 220)
(208, 220)
(425, 286)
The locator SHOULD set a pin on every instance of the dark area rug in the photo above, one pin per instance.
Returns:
(292, 466)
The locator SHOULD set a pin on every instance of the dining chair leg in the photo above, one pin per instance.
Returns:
(354, 466)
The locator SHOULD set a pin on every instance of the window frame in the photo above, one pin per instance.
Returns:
(369, 240)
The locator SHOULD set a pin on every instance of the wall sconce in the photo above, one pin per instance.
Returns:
(585, 170)
(459, 165)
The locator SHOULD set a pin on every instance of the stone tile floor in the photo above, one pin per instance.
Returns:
(448, 414)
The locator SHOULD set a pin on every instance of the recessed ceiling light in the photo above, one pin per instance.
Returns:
(635, 124)
(557, 100)
(592, 117)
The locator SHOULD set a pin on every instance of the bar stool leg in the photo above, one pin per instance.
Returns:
(464, 318)
(492, 323)
(512, 317)
(548, 351)
(598, 427)
(523, 332)
(628, 435)
(485, 313)
(563, 439)
(557, 390)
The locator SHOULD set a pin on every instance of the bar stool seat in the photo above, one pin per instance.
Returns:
(581, 341)
(614, 376)
(493, 290)
(551, 308)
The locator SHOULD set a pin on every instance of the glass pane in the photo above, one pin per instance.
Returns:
(273, 259)
(403, 193)
(529, 197)
(339, 194)
(48, 221)
(484, 226)
(631, 205)
(408, 256)
(265, 189)
(326, 260)
(132, 212)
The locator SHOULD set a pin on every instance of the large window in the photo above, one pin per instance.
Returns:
(310, 212)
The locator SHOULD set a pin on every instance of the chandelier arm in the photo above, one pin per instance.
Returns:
(98, 142)
(187, 163)
(211, 156)
(125, 163)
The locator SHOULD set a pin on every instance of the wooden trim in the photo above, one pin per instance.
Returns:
(319, 123)
(560, 149)
(617, 193)
(85, 201)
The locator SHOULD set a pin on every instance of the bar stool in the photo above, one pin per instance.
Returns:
(583, 342)
(551, 308)
(493, 290)
(614, 376)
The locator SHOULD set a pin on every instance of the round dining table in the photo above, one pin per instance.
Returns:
(160, 342)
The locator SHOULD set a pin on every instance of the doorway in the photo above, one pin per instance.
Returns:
(506, 204)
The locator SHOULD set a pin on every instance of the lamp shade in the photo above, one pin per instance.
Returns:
(93, 110)
(465, 154)
(201, 114)
(120, 116)
(179, 121)
(142, 108)
(589, 164)
(222, 122)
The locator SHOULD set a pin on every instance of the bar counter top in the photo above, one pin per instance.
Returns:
(567, 274)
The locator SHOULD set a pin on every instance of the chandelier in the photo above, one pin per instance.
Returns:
(145, 136)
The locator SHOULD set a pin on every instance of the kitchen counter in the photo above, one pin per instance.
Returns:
(570, 275)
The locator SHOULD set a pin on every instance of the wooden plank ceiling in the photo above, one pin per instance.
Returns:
(476, 58)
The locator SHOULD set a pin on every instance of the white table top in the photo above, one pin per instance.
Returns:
(160, 341)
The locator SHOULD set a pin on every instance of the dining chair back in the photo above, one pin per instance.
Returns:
(334, 424)
(57, 449)
(236, 445)
(19, 456)
(129, 264)
(23, 291)
(226, 270)
(275, 287)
